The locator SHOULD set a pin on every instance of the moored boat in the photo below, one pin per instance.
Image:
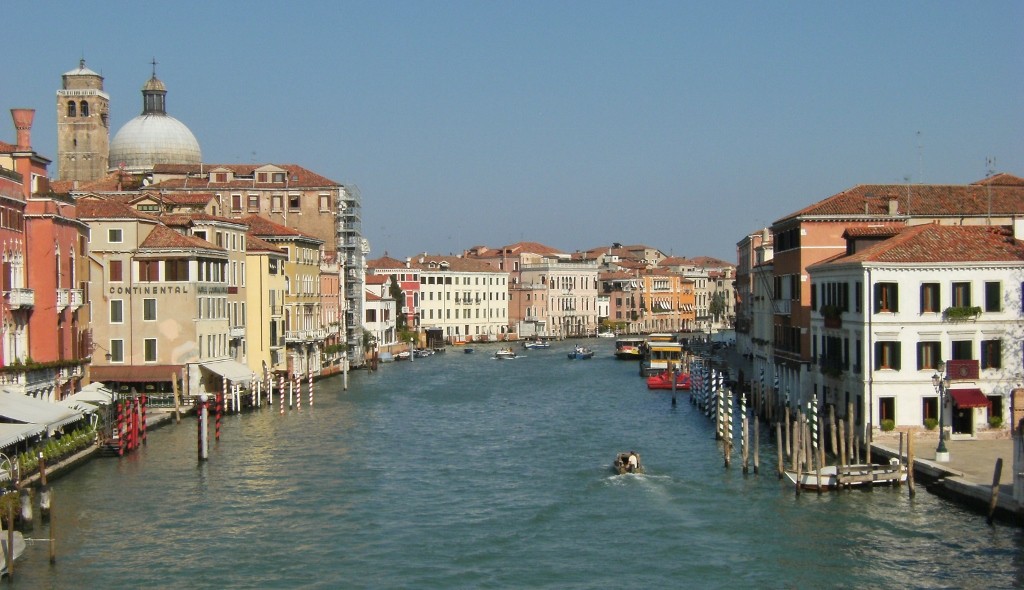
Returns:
(664, 381)
(836, 476)
(403, 356)
(19, 548)
(468, 350)
(505, 354)
(622, 463)
(581, 352)
(606, 334)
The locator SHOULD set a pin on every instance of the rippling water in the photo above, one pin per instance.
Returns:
(462, 471)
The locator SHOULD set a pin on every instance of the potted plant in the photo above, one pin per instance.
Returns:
(995, 422)
(961, 314)
(888, 425)
(930, 423)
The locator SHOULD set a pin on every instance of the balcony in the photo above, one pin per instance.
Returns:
(236, 332)
(21, 298)
(782, 306)
(63, 298)
(77, 298)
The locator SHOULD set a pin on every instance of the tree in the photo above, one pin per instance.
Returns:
(399, 296)
(717, 306)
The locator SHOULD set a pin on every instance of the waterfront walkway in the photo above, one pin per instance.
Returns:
(966, 478)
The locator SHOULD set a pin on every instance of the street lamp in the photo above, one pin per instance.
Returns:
(941, 383)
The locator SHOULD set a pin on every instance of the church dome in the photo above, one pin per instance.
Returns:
(154, 137)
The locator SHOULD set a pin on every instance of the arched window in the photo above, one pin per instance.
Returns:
(71, 108)
(84, 108)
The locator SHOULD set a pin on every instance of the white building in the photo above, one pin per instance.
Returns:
(467, 299)
(381, 310)
(900, 304)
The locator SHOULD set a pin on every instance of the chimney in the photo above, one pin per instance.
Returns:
(894, 207)
(23, 125)
(1018, 228)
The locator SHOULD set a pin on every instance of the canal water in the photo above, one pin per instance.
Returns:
(460, 471)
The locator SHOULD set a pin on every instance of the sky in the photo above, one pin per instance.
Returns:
(680, 125)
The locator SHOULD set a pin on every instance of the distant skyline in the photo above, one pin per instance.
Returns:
(683, 126)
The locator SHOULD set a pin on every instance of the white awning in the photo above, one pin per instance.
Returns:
(15, 433)
(232, 370)
(93, 393)
(21, 408)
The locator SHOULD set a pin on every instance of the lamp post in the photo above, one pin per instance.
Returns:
(941, 383)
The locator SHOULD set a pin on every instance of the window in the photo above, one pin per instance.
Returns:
(115, 236)
(149, 270)
(886, 295)
(116, 271)
(887, 355)
(991, 354)
(84, 109)
(176, 270)
(71, 108)
(278, 177)
(962, 350)
(261, 177)
(149, 350)
(149, 310)
(961, 295)
(276, 202)
(254, 202)
(929, 409)
(236, 202)
(886, 409)
(293, 202)
(117, 351)
(930, 298)
(220, 177)
(993, 296)
(117, 311)
(325, 202)
(928, 355)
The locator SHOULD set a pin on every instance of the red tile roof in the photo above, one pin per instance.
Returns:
(385, 263)
(872, 200)
(376, 279)
(455, 263)
(265, 228)
(934, 243)
(164, 237)
(108, 209)
(199, 176)
(529, 247)
(256, 244)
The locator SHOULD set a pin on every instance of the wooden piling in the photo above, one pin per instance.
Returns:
(746, 443)
(832, 428)
(757, 445)
(53, 537)
(778, 447)
(995, 489)
(10, 542)
(815, 459)
(789, 448)
(174, 388)
(842, 442)
(796, 456)
(910, 464)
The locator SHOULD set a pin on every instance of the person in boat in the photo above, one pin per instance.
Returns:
(632, 463)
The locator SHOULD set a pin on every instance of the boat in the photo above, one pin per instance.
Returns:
(835, 476)
(386, 357)
(505, 354)
(581, 352)
(664, 381)
(606, 334)
(538, 343)
(422, 352)
(661, 353)
(467, 350)
(19, 548)
(403, 356)
(630, 348)
(621, 463)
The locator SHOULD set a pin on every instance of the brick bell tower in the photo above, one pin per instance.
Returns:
(83, 125)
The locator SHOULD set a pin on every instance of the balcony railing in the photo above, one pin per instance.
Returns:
(783, 306)
(77, 298)
(236, 332)
(18, 298)
(62, 299)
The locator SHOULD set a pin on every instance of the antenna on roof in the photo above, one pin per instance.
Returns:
(906, 179)
(920, 160)
(990, 165)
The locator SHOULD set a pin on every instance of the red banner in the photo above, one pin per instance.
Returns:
(962, 370)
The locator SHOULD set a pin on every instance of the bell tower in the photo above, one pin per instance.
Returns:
(83, 125)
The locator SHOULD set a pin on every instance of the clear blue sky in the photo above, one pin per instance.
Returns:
(681, 125)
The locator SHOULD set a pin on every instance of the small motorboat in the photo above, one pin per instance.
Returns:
(505, 354)
(581, 352)
(623, 465)
(467, 350)
(422, 352)
(534, 344)
(403, 356)
(663, 380)
(606, 334)
(19, 548)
